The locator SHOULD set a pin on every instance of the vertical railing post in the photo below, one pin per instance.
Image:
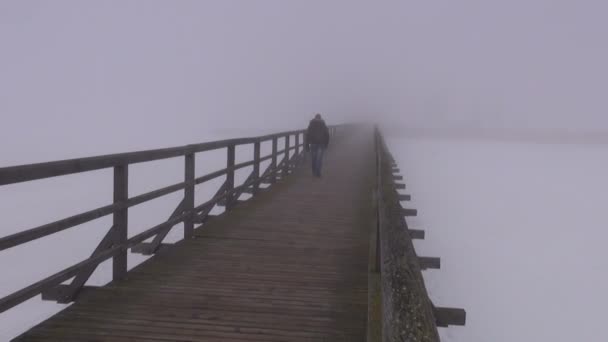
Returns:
(286, 157)
(296, 155)
(189, 195)
(256, 167)
(121, 219)
(273, 179)
(379, 199)
(230, 177)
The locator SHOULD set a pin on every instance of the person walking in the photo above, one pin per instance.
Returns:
(316, 141)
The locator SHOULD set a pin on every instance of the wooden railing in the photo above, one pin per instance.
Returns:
(116, 242)
(407, 312)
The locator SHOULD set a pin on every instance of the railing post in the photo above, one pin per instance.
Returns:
(286, 157)
(379, 200)
(189, 195)
(230, 177)
(273, 179)
(121, 219)
(297, 152)
(256, 167)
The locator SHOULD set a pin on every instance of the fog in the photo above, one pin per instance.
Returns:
(82, 78)
(116, 75)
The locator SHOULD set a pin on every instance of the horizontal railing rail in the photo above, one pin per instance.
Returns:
(116, 242)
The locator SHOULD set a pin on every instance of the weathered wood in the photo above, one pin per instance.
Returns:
(61, 292)
(151, 248)
(450, 316)
(230, 177)
(407, 312)
(118, 235)
(60, 225)
(23, 173)
(71, 291)
(273, 163)
(201, 212)
(189, 195)
(429, 262)
(409, 212)
(297, 153)
(405, 197)
(147, 248)
(269, 270)
(222, 202)
(256, 168)
(121, 220)
(286, 157)
(416, 234)
(35, 289)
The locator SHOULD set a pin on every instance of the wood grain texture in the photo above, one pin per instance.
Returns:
(291, 264)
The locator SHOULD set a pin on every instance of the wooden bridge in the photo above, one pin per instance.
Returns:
(304, 259)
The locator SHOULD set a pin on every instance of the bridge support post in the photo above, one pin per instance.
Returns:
(230, 177)
(189, 196)
(121, 219)
(273, 178)
(286, 157)
(256, 167)
(296, 156)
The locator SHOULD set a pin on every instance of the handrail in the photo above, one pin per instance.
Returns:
(30, 172)
(116, 243)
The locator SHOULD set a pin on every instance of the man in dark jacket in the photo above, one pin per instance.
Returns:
(317, 139)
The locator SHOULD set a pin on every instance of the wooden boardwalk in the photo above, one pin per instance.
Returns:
(289, 265)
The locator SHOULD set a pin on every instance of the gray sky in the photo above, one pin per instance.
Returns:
(165, 72)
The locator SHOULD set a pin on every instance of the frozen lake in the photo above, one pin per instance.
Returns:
(521, 232)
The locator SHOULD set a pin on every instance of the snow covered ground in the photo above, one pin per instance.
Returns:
(521, 230)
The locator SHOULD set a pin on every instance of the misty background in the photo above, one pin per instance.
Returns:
(464, 89)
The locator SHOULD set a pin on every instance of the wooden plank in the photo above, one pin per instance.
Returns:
(61, 292)
(406, 308)
(409, 212)
(256, 169)
(450, 316)
(72, 290)
(405, 197)
(151, 248)
(429, 263)
(273, 163)
(222, 203)
(146, 248)
(121, 220)
(63, 224)
(290, 264)
(416, 234)
(399, 186)
(23, 173)
(189, 171)
(286, 156)
(230, 176)
(31, 291)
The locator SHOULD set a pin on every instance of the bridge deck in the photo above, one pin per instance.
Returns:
(289, 265)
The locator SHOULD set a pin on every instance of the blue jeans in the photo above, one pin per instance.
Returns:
(316, 152)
